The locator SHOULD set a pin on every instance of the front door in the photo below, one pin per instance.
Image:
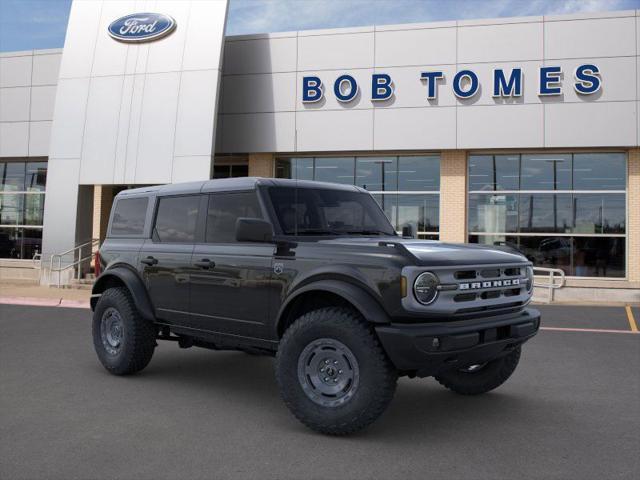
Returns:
(165, 259)
(231, 281)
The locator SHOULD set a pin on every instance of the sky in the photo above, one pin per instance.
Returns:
(34, 24)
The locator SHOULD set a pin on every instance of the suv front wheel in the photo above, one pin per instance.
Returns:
(123, 340)
(332, 372)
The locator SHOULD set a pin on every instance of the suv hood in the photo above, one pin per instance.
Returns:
(434, 253)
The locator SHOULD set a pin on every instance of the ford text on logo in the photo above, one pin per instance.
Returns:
(491, 284)
(465, 84)
(141, 27)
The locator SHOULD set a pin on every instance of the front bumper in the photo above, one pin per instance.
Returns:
(429, 348)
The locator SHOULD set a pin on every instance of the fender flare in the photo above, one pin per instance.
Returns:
(134, 284)
(357, 296)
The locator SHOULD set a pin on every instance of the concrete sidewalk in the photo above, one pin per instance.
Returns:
(17, 293)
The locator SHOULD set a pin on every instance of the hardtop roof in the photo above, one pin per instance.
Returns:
(231, 184)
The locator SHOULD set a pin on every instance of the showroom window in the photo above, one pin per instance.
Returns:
(406, 187)
(564, 211)
(22, 186)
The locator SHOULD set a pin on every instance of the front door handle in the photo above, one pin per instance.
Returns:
(149, 261)
(205, 263)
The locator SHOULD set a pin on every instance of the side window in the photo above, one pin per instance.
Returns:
(128, 216)
(224, 210)
(176, 219)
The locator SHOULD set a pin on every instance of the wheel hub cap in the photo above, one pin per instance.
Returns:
(111, 330)
(328, 372)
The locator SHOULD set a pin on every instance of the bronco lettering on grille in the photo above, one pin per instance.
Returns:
(490, 284)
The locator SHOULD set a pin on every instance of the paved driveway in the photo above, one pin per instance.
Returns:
(571, 411)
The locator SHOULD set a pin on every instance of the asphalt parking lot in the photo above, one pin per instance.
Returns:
(571, 411)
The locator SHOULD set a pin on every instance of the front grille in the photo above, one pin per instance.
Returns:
(487, 289)
(473, 290)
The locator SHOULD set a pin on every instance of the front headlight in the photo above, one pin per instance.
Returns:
(425, 288)
(529, 279)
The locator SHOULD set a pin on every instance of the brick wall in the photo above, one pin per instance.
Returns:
(453, 196)
(261, 165)
(102, 201)
(633, 227)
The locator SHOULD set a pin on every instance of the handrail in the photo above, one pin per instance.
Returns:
(37, 260)
(78, 248)
(551, 275)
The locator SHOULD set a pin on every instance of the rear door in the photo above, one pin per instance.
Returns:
(165, 259)
(231, 281)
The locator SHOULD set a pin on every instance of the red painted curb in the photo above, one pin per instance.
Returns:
(44, 302)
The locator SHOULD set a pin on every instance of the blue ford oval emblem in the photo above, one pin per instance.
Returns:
(141, 27)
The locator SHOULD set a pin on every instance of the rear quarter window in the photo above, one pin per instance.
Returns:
(129, 216)
(176, 219)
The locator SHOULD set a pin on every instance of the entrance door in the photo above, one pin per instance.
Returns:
(230, 283)
(165, 260)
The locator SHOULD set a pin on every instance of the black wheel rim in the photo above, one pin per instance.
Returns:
(111, 330)
(328, 372)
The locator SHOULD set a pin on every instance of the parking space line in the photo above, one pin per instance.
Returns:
(589, 330)
(632, 321)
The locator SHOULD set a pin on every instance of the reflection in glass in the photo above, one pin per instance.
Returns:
(377, 174)
(600, 213)
(419, 174)
(599, 257)
(335, 170)
(546, 172)
(31, 242)
(36, 176)
(494, 172)
(10, 242)
(576, 256)
(13, 177)
(540, 212)
(20, 243)
(421, 212)
(493, 213)
(550, 252)
(599, 171)
(12, 209)
(33, 209)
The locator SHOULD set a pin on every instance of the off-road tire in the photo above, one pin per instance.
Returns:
(138, 334)
(377, 376)
(487, 378)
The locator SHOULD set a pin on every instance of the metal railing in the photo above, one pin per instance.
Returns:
(37, 260)
(78, 259)
(551, 275)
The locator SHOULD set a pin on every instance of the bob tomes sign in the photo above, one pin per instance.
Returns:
(141, 27)
(465, 84)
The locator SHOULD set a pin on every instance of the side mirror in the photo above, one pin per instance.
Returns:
(253, 230)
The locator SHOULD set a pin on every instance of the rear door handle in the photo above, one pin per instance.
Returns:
(149, 261)
(205, 263)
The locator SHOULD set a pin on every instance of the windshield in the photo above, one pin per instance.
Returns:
(316, 211)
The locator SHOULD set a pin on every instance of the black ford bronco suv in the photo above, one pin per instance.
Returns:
(314, 274)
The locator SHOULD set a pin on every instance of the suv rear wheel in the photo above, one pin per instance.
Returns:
(332, 372)
(123, 340)
(477, 379)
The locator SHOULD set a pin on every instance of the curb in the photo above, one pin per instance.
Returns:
(44, 302)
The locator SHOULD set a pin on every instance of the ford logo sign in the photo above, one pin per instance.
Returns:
(141, 27)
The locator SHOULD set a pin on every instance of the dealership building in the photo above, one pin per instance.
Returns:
(515, 131)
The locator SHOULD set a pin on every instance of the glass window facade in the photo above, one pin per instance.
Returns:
(22, 188)
(406, 187)
(563, 211)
